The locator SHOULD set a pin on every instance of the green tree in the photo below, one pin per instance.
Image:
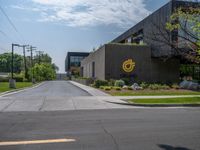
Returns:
(5, 62)
(43, 58)
(43, 71)
(186, 21)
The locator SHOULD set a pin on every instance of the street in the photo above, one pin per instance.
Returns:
(58, 116)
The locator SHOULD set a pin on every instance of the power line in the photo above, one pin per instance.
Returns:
(4, 34)
(9, 20)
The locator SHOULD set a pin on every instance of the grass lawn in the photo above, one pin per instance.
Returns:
(152, 92)
(185, 100)
(4, 86)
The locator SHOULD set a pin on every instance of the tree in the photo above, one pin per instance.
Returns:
(186, 21)
(180, 33)
(43, 58)
(43, 71)
(5, 62)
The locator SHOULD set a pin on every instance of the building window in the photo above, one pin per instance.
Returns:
(75, 61)
(93, 69)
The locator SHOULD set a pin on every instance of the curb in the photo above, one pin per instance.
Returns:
(90, 90)
(20, 90)
(157, 105)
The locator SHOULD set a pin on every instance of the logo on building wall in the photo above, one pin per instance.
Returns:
(128, 65)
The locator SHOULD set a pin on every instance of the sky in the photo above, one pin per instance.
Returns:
(59, 26)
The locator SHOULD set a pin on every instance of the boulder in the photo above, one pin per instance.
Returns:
(189, 85)
(125, 87)
(135, 86)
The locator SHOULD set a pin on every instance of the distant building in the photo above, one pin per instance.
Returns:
(73, 62)
(128, 57)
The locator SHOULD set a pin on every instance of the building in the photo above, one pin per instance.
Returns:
(73, 62)
(128, 57)
(152, 30)
(117, 61)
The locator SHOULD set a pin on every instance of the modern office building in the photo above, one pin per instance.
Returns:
(152, 30)
(73, 62)
(154, 61)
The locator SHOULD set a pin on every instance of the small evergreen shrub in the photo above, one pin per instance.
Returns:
(117, 88)
(98, 83)
(144, 85)
(119, 83)
(107, 88)
(175, 86)
(126, 81)
(111, 82)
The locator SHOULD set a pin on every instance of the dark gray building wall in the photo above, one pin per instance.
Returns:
(146, 69)
(109, 60)
(117, 54)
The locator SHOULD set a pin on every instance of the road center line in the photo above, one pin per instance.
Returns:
(36, 142)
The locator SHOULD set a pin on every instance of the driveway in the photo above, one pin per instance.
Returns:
(54, 96)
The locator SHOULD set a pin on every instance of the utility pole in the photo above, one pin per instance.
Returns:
(31, 50)
(12, 81)
(39, 55)
(25, 66)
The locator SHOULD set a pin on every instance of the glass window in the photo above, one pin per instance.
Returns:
(75, 61)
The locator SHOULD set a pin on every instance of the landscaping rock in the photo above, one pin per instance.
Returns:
(189, 85)
(125, 87)
(135, 86)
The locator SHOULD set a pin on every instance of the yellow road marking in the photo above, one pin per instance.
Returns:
(36, 142)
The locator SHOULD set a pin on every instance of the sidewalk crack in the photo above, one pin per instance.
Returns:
(43, 103)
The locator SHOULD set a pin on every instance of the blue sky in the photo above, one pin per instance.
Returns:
(59, 26)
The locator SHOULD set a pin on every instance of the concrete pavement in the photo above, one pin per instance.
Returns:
(55, 96)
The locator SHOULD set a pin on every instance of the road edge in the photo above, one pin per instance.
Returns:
(20, 90)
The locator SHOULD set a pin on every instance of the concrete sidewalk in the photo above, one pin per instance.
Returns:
(92, 91)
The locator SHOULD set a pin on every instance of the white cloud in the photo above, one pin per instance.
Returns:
(122, 13)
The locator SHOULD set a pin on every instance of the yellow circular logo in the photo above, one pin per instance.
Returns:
(128, 65)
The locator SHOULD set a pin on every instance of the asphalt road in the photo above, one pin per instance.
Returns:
(114, 129)
(53, 89)
(53, 96)
(60, 116)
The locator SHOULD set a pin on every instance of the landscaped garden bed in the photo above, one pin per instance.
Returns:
(124, 88)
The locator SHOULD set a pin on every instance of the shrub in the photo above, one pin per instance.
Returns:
(19, 79)
(154, 86)
(107, 88)
(101, 87)
(165, 87)
(117, 88)
(130, 88)
(4, 79)
(119, 83)
(111, 82)
(99, 83)
(159, 87)
(144, 85)
(175, 86)
(126, 80)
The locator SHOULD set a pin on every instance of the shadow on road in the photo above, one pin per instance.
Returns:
(169, 147)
